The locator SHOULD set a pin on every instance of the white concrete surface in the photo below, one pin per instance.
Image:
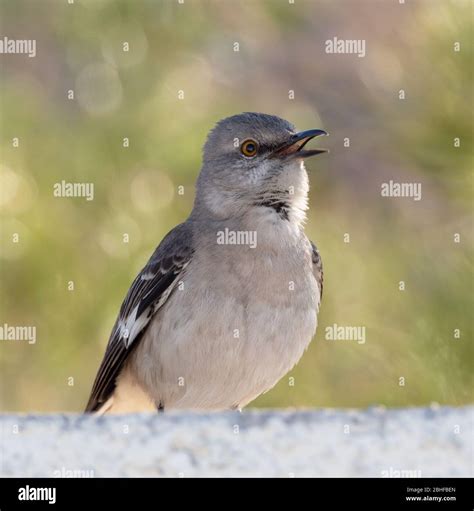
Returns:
(419, 442)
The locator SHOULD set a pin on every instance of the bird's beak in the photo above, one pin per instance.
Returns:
(295, 146)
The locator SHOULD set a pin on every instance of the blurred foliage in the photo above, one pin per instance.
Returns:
(134, 94)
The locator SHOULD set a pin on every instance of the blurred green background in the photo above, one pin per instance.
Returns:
(190, 47)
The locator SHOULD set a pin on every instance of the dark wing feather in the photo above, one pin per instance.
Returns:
(146, 295)
(317, 268)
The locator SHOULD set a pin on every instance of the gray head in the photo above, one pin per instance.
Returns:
(254, 160)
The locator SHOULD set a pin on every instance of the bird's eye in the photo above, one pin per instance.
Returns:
(249, 148)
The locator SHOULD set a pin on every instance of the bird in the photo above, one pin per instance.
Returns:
(228, 302)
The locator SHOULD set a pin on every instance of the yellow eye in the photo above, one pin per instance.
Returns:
(249, 148)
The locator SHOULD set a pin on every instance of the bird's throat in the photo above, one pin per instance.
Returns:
(280, 206)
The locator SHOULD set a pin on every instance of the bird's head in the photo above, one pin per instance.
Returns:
(255, 160)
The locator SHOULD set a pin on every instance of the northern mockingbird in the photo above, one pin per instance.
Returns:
(228, 302)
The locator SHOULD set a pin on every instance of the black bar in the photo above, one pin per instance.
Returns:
(323, 493)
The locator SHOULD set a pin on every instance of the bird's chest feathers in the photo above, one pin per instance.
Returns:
(273, 271)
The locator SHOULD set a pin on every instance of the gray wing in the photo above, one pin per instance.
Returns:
(317, 268)
(148, 292)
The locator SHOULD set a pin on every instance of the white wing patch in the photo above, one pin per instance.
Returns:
(131, 326)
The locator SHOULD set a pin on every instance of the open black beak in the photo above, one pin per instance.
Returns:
(295, 146)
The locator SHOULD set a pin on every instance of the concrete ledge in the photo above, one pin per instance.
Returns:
(419, 442)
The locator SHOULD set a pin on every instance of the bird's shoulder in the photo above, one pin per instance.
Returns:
(168, 260)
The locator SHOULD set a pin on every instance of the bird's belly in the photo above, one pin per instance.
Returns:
(232, 364)
(225, 343)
